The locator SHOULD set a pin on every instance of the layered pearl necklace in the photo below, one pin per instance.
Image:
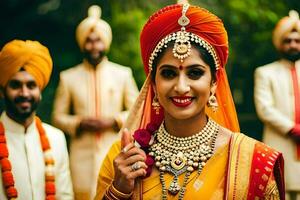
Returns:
(178, 155)
(7, 176)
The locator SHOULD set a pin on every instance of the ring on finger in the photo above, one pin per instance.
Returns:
(124, 150)
(135, 166)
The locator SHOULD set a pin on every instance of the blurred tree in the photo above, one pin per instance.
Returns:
(53, 22)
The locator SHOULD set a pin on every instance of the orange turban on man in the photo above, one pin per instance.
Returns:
(29, 55)
(284, 26)
(94, 23)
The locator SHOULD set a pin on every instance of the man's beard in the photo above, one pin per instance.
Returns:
(94, 59)
(18, 113)
(291, 55)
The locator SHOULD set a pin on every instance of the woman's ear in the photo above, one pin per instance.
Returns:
(153, 87)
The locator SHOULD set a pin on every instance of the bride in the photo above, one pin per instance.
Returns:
(181, 139)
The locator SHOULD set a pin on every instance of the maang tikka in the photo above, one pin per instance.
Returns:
(182, 42)
(182, 46)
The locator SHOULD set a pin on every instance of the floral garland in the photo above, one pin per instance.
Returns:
(7, 176)
(144, 138)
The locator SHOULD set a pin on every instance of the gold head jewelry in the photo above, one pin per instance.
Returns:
(182, 42)
(182, 1)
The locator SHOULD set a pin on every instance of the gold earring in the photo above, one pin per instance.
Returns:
(213, 103)
(156, 105)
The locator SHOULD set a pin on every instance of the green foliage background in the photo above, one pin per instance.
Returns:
(53, 22)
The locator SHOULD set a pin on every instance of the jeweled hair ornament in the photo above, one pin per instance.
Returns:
(182, 42)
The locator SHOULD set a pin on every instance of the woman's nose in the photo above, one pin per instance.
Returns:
(182, 86)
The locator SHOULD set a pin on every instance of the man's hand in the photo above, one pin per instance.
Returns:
(295, 133)
(92, 124)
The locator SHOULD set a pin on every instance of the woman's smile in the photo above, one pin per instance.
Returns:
(182, 101)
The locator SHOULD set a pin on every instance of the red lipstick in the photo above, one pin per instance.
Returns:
(182, 101)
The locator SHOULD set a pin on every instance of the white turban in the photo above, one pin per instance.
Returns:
(94, 23)
(284, 26)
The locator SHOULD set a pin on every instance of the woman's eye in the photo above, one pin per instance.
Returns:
(168, 73)
(195, 73)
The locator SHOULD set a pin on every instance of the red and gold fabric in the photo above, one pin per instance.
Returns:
(242, 169)
(253, 169)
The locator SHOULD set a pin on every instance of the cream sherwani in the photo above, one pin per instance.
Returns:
(275, 106)
(27, 160)
(107, 91)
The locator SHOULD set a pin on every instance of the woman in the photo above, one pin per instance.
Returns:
(184, 143)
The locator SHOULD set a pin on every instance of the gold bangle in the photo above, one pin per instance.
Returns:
(119, 194)
(113, 197)
(107, 195)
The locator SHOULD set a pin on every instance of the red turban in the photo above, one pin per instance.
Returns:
(202, 23)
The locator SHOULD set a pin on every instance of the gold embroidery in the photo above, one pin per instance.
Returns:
(270, 163)
(265, 177)
(271, 158)
(272, 192)
(261, 187)
(266, 149)
(268, 169)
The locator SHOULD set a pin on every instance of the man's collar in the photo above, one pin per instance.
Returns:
(13, 126)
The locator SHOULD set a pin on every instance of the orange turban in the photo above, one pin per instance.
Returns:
(94, 23)
(29, 55)
(210, 29)
(284, 26)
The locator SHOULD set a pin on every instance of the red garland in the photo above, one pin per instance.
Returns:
(7, 176)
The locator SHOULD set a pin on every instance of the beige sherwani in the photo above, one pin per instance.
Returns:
(28, 164)
(275, 106)
(109, 91)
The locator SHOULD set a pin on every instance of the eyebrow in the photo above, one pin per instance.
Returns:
(188, 67)
(18, 81)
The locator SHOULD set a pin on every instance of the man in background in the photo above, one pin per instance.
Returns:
(33, 155)
(91, 103)
(277, 99)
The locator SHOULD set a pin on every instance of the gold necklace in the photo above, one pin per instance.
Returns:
(178, 155)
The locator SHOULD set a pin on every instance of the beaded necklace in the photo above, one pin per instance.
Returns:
(7, 176)
(178, 155)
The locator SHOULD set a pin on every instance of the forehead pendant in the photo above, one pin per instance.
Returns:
(182, 42)
(182, 45)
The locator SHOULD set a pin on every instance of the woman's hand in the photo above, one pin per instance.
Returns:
(129, 164)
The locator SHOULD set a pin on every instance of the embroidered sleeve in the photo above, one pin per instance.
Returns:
(272, 192)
